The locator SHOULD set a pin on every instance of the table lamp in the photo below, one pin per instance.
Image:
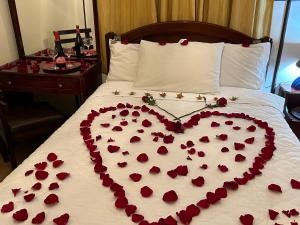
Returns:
(296, 84)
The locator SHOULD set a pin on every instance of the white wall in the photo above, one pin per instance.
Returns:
(8, 49)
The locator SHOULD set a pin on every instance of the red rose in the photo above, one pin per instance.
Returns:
(145, 99)
(222, 102)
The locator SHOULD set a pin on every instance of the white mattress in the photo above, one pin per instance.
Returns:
(88, 202)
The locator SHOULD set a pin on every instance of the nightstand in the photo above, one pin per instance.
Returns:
(291, 107)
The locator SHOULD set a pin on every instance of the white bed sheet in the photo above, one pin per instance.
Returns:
(89, 203)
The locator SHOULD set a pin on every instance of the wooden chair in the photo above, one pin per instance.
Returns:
(25, 122)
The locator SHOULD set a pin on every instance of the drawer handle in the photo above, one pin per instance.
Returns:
(60, 85)
(9, 82)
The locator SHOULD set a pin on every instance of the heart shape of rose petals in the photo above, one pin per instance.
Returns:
(165, 139)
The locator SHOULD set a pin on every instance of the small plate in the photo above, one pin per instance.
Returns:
(50, 68)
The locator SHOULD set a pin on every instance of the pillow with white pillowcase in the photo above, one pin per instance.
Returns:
(244, 67)
(194, 67)
(123, 61)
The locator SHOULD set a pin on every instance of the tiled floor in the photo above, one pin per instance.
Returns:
(22, 152)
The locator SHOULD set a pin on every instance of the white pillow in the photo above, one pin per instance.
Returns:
(172, 67)
(123, 61)
(244, 66)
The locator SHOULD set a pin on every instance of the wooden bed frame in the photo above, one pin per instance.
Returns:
(174, 31)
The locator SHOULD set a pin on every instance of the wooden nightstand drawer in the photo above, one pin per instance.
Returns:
(66, 85)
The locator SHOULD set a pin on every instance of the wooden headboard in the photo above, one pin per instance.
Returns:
(174, 31)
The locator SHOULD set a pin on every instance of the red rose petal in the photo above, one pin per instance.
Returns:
(231, 185)
(125, 153)
(124, 112)
(130, 209)
(39, 218)
(275, 188)
(122, 164)
(51, 157)
(223, 168)
(137, 218)
(251, 128)
(142, 158)
(204, 166)
(135, 114)
(170, 196)
(212, 198)
(136, 177)
(170, 221)
(168, 139)
(295, 184)
(250, 140)
(117, 128)
(41, 165)
(214, 124)
(182, 170)
(239, 146)
(135, 139)
(6, 208)
(21, 215)
(62, 220)
(36, 186)
(15, 191)
(121, 203)
(29, 172)
(184, 42)
(184, 217)
(29, 197)
(155, 139)
(225, 149)
(53, 186)
(199, 181)
(172, 173)
(239, 158)
(204, 139)
(140, 131)
(190, 144)
(41, 175)
(222, 137)
(201, 154)
(294, 212)
(193, 210)
(51, 199)
(273, 214)
(203, 203)
(162, 150)
(182, 146)
(247, 219)
(113, 148)
(57, 163)
(146, 123)
(62, 176)
(229, 122)
(287, 213)
(124, 123)
(146, 191)
(154, 170)
(192, 151)
(221, 192)
(236, 128)
(105, 125)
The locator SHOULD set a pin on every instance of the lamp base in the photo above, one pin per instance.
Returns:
(296, 84)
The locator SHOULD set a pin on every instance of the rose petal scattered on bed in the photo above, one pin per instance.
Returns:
(170, 196)
(146, 192)
(182, 170)
(135, 114)
(29, 197)
(105, 125)
(51, 199)
(6, 208)
(135, 139)
(37, 186)
(125, 153)
(29, 172)
(110, 140)
(136, 177)
(51, 157)
(136, 218)
(225, 149)
(239, 146)
(169, 221)
(113, 148)
(250, 140)
(162, 150)
(124, 123)
(295, 184)
(204, 166)
(142, 158)
(247, 219)
(236, 128)
(122, 164)
(121, 203)
(146, 123)
(273, 214)
(294, 212)
(62, 175)
(39, 218)
(41, 165)
(239, 158)
(57, 163)
(21, 215)
(53, 186)
(222, 137)
(204, 139)
(124, 113)
(168, 139)
(199, 181)
(154, 170)
(41, 175)
(201, 154)
(184, 217)
(15, 191)
(130, 209)
(231, 185)
(223, 168)
(62, 220)
(140, 131)
(117, 128)
(192, 151)
(274, 188)
(251, 128)
(172, 173)
(229, 122)
(214, 124)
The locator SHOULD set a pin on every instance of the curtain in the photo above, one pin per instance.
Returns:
(252, 17)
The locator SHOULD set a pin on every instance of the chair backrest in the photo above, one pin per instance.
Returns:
(86, 32)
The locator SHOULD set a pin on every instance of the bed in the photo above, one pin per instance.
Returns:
(89, 193)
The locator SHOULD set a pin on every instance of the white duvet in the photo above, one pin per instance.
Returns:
(89, 203)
